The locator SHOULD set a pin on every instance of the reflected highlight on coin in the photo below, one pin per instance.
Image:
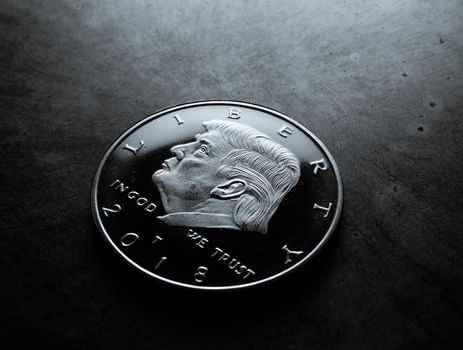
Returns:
(217, 195)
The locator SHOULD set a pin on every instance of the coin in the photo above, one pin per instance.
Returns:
(217, 195)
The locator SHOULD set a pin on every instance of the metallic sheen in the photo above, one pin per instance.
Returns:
(217, 195)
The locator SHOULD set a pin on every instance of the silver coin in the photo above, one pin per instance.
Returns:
(217, 195)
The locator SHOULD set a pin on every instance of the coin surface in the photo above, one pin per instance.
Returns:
(217, 195)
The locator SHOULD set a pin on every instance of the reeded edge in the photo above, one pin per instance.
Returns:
(331, 229)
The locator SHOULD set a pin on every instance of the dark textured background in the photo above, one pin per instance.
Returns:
(380, 82)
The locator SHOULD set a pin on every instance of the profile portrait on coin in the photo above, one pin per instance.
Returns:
(231, 176)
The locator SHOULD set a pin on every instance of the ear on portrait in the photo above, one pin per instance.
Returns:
(230, 189)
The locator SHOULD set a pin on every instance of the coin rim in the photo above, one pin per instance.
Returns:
(102, 230)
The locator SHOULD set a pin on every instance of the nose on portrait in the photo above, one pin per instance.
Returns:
(178, 151)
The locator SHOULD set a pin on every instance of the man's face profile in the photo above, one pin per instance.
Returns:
(231, 176)
(191, 174)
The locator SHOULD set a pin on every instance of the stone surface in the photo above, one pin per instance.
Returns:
(380, 82)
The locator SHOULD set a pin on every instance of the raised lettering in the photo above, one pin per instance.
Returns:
(217, 250)
(317, 163)
(157, 238)
(233, 264)
(289, 253)
(202, 242)
(121, 187)
(249, 272)
(132, 194)
(178, 119)
(108, 210)
(133, 149)
(142, 201)
(128, 239)
(115, 182)
(224, 257)
(241, 269)
(160, 262)
(284, 131)
(200, 274)
(326, 209)
(151, 207)
(192, 235)
(234, 113)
